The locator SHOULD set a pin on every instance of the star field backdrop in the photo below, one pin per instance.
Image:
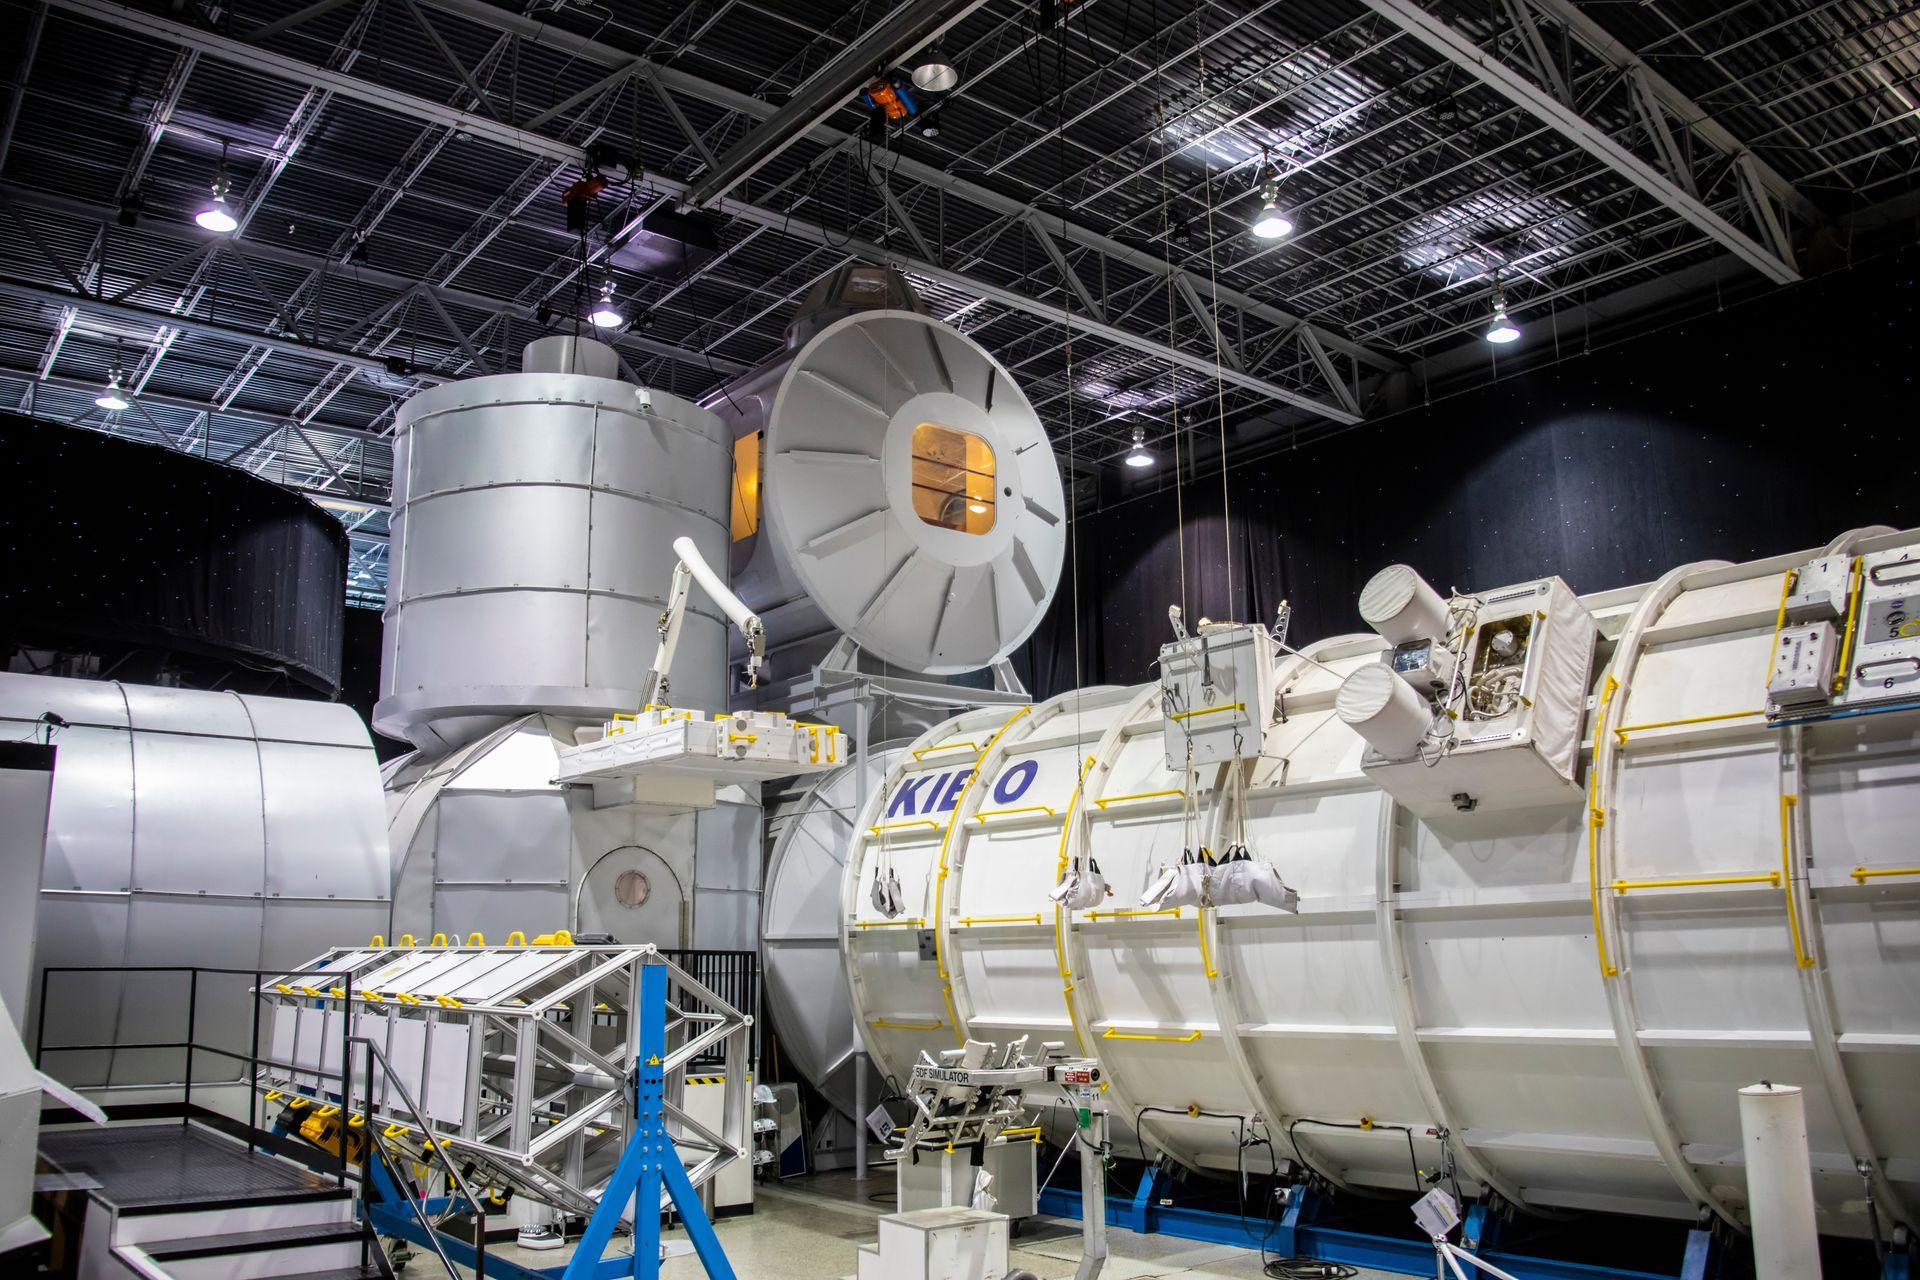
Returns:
(1764, 428)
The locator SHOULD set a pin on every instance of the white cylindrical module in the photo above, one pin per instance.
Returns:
(534, 515)
(192, 828)
(911, 498)
(1445, 975)
(1773, 1132)
(1384, 709)
(1398, 603)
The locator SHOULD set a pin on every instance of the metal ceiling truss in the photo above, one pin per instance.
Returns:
(1673, 151)
(1311, 392)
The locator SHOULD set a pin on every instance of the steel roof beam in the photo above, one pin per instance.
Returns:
(676, 81)
(405, 104)
(910, 27)
(1590, 137)
(441, 295)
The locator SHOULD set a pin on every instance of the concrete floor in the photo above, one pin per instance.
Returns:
(811, 1229)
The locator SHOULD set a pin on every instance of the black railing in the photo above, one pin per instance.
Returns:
(341, 980)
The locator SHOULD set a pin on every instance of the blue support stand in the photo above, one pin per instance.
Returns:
(648, 1165)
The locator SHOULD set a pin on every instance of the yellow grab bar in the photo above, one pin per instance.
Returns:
(1626, 729)
(1864, 874)
(379, 940)
(1207, 711)
(897, 826)
(1621, 886)
(920, 753)
(1032, 919)
(984, 814)
(1031, 1131)
(1800, 955)
(1113, 1033)
(743, 737)
(1104, 801)
(476, 939)
(439, 940)
(884, 1025)
(1842, 673)
(914, 923)
(1206, 953)
(1136, 911)
(516, 939)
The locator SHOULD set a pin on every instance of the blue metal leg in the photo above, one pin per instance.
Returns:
(649, 1161)
(1703, 1255)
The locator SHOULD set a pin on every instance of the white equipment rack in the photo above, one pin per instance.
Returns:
(518, 1058)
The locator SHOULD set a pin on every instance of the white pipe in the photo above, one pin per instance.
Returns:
(1093, 1196)
(719, 592)
(1773, 1130)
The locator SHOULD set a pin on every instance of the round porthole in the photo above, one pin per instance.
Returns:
(631, 889)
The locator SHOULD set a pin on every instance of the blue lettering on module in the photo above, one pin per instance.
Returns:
(904, 799)
(1014, 782)
(955, 786)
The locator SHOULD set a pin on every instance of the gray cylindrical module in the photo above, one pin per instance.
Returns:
(533, 522)
(192, 828)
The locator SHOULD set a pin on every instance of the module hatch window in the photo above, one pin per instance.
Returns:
(953, 479)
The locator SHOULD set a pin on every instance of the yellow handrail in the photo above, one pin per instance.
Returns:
(1864, 874)
(1626, 729)
(896, 826)
(1104, 801)
(1621, 886)
(1206, 955)
(884, 1025)
(1800, 955)
(1137, 911)
(920, 753)
(984, 814)
(1207, 711)
(1114, 1033)
(973, 920)
(915, 923)
(1787, 580)
(1841, 675)
(1031, 1131)
(1597, 818)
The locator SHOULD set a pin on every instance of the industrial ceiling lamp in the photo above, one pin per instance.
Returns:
(604, 314)
(1271, 223)
(1502, 329)
(110, 398)
(934, 74)
(1138, 455)
(214, 215)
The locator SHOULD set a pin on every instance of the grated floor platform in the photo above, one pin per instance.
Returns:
(171, 1165)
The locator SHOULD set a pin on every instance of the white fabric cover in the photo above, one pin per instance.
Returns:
(1083, 888)
(886, 893)
(1236, 879)
(1560, 689)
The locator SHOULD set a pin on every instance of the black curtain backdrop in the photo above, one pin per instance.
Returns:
(1761, 429)
(112, 546)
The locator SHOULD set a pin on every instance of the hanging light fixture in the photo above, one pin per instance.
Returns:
(214, 215)
(604, 314)
(1271, 222)
(110, 398)
(934, 74)
(1138, 456)
(1501, 330)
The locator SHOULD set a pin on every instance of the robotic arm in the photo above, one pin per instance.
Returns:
(693, 567)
